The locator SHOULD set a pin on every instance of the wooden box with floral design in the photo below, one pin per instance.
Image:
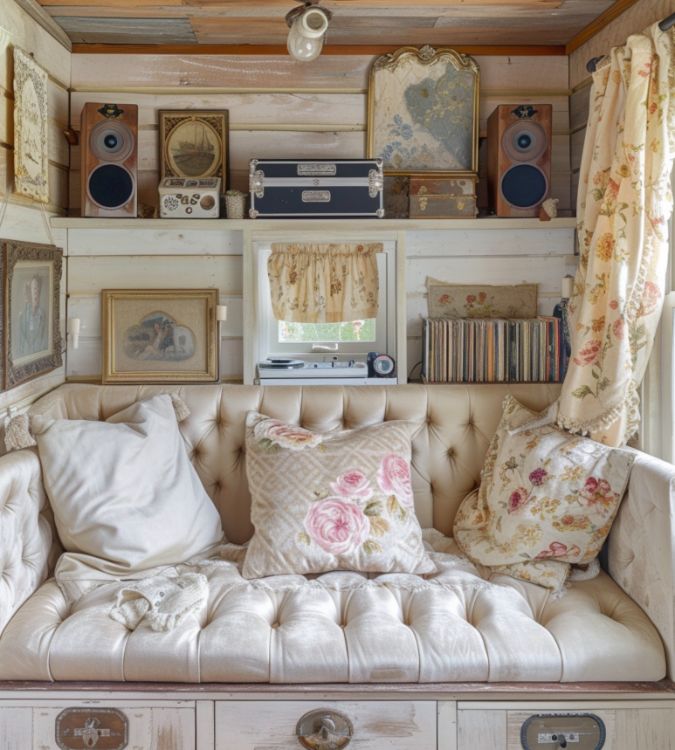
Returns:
(443, 197)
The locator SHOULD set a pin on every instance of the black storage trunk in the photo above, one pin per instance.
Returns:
(316, 189)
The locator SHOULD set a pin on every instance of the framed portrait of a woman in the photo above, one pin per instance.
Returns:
(31, 333)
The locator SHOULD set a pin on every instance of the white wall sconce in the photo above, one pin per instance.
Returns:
(74, 325)
(308, 25)
(221, 313)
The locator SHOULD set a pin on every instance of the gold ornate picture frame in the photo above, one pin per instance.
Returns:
(31, 119)
(159, 335)
(194, 144)
(31, 331)
(423, 112)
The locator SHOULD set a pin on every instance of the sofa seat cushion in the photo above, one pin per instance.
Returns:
(450, 626)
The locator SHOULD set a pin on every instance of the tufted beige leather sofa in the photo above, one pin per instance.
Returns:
(342, 626)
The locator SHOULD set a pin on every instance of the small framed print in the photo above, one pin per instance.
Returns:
(194, 143)
(159, 335)
(31, 118)
(31, 334)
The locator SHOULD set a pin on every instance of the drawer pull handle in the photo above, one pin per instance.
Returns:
(324, 730)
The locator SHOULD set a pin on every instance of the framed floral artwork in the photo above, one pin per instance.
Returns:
(31, 117)
(159, 335)
(423, 111)
(31, 333)
(194, 144)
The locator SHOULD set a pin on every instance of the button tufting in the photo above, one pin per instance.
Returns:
(451, 452)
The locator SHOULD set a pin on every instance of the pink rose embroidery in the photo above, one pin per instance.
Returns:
(352, 483)
(538, 477)
(393, 476)
(517, 499)
(337, 525)
(618, 327)
(555, 549)
(286, 435)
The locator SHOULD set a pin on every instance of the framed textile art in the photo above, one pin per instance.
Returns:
(31, 333)
(159, 335)
(423, 111)
(31, 154)
(194, 143)
(447, 300)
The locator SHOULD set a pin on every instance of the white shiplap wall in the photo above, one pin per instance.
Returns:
(165, 253)
(23, 218)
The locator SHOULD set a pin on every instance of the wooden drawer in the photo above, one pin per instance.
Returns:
(647, 725)
(271, 725)
(165, 725)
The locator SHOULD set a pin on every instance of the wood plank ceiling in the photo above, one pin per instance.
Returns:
(355, 22)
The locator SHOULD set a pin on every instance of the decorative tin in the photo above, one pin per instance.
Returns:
(100, 728)
(443, 198)
(181, 198)
(343, 188)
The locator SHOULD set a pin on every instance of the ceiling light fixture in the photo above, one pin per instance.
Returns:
(308, 25)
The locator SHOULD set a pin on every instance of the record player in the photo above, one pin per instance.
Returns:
(284, 371)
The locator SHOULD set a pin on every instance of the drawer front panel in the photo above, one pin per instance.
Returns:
(103, 725)
(271, 725)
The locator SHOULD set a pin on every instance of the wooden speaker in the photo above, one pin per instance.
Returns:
(519, 158)
(109, 148)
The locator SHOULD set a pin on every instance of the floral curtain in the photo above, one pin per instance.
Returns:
(324, 283)
(623, 208)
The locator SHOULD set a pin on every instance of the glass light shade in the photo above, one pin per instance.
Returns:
(306, 36)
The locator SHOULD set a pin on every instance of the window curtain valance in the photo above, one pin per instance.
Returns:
(324, 283)
(623, 207)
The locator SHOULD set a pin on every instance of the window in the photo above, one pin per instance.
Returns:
(319, 340)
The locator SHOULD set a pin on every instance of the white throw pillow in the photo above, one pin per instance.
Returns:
(125, 496)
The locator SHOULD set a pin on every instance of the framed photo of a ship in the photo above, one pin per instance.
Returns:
(194, 143)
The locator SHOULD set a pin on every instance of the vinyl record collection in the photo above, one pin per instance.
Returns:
(478, 350)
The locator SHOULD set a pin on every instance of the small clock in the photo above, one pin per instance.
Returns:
(380, 365)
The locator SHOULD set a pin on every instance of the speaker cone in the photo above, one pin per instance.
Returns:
(111, 141)
(524, 185)
(524, 141)
(110, 186)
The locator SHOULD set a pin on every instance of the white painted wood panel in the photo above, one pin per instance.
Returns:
(269, 73)
(16, 729)
(488, 242)
(481, 730)
(447, 725)
(91, 274)
(396, 725)
(199, 239)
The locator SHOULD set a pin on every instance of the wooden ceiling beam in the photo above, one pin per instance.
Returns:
(280, 7)
(280, 49)
(598, 24)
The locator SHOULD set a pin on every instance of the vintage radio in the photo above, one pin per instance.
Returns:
(185, 198)
(443, 197)
(519, 158)
(342, 188)
(109, 149)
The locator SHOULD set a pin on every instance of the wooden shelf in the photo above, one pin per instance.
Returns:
(266, 225)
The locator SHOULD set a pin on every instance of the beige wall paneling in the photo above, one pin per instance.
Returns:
(396, 725)
(635, 19)
(23, 218)
(88, 274)
(280, 110)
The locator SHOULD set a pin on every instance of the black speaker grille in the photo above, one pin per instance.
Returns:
(524, 186)
(110, 186)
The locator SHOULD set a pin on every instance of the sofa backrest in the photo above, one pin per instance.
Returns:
(456, 425)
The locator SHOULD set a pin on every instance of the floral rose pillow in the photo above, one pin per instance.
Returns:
(340, 501)
(547, 499)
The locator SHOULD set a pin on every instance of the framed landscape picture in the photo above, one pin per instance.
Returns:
(31, 117)
(159, 335)
(194, 143)
(31, 337)
(423, 112)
